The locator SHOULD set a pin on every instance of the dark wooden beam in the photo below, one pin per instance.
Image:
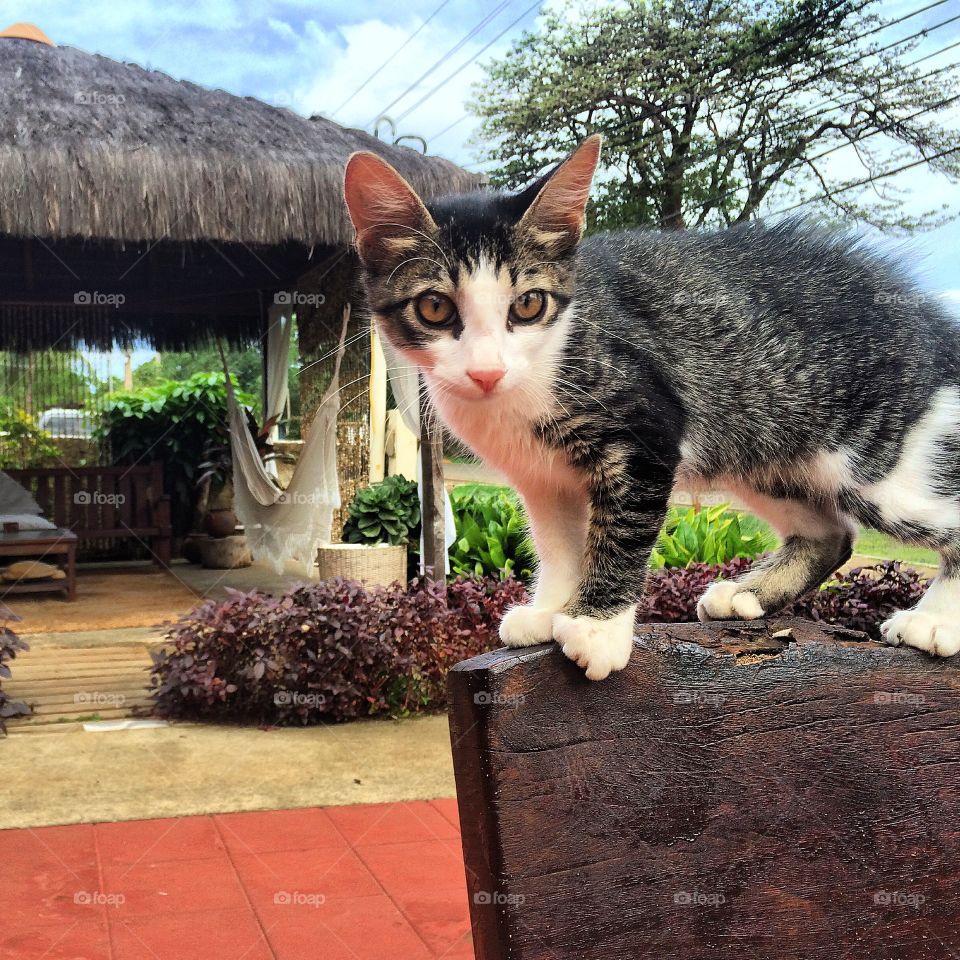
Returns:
(764, 791)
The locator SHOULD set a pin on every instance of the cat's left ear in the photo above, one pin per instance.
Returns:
(556, 217)
(386, 212)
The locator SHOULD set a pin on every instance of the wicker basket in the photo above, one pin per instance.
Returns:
(372, 563)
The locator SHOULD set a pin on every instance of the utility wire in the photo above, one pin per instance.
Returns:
(813, 111)
(463, 66)
(828, 194)
(457, 46)
(840, 146)
(761, 48)
(449, 127)
(822, 109)
(390, 59)
(797, 84)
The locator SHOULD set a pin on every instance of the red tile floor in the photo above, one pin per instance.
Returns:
(377, 882)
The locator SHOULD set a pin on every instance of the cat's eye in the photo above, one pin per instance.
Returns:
(435, 309)
(529, 306)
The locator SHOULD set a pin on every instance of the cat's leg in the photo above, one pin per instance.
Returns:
(934, 623)
(596, 628)
(815, 542)
(917, 502)
(558, 525)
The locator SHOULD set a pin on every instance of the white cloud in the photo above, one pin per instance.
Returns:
(338, 78)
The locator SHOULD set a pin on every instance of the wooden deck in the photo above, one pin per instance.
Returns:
(66, 684)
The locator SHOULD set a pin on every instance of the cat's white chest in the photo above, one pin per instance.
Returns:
(503, 436)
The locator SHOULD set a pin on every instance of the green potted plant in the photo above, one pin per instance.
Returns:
(383, 521)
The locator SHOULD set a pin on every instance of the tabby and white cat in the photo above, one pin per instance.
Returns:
(800, 373)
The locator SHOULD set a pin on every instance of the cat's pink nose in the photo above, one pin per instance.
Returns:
(486, 380)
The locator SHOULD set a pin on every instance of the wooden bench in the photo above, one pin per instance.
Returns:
(49, 546)
(105, 503)
(736, 792)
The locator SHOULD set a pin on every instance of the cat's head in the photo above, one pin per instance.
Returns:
(472, 288)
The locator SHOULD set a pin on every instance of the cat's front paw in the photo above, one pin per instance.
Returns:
(727, 600)
(931, 632)
(599, 646)
(525, 626)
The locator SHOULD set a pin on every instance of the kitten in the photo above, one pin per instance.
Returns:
(796, 371)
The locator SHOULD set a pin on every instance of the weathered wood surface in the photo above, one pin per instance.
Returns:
(432, 514)
(731, 794)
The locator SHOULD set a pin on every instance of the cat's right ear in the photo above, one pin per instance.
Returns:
(386, 212)
(558, 214)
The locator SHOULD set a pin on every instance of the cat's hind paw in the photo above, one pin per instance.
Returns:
(599, 646)
(525, 626)
(728, 600)
(933, 633)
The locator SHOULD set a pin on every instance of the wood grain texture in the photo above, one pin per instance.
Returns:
(103, 503)
(432, 514)
(731, 794)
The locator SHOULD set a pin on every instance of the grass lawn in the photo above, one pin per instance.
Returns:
(871, 543)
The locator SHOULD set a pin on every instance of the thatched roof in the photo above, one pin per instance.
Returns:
(94, 148)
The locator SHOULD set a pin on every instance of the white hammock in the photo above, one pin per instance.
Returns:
(288, 524)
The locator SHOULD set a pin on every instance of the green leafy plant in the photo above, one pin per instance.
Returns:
(384, 512)
(712, 535)
(492, 534)
(23, 443)
(175, 422)
(218, 463)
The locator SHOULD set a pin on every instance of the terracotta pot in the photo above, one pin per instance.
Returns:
(220, 523)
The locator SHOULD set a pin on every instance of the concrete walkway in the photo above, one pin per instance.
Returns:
(61, 774)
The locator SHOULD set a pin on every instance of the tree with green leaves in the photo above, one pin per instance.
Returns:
(711, 109)
(245, 365)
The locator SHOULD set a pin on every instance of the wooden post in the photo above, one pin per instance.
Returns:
(766, 791)
(431, 467)
(378, 407)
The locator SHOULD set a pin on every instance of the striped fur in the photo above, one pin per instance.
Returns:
(788, 366)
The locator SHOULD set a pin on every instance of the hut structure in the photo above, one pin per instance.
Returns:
(142, 209)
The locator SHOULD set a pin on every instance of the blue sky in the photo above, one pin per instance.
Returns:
(311, 56)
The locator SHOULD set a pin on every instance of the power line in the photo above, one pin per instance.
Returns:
(389, 59)
(797, 84)
(823, 105)
(761, 48)
(479, 53)
(828, 194)
(814, 111)
(457, 46)
(457, 123)
(822, 108)
(924, 32)
(840, 146)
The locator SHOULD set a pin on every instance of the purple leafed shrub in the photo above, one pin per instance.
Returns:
(10, 646)
(432, 637)
(672, 592)
(326, 651)
(332, 651)
(861, 599)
